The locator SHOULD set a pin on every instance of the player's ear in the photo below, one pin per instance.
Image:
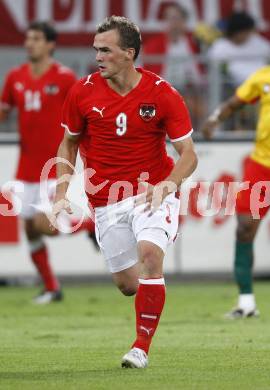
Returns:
(130, 53)
(51, 46)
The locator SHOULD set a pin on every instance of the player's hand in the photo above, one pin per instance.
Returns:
(59, 206)
(153, 196)
(209, 127)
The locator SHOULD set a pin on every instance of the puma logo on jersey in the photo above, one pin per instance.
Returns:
(88, 80)
(51, 89)
(159, 81)
(18, 86)
(99, 111)
(147, 330)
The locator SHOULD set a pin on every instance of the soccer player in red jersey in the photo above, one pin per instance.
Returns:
(37, 89)
(119, 118)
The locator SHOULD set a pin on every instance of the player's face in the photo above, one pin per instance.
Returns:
(111, 58)
(175, 21)
(36, 45)
(241, 37)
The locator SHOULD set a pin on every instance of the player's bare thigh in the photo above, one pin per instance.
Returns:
(31, 232)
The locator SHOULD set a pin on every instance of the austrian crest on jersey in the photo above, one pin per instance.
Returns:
(147, 111)
(51, 89)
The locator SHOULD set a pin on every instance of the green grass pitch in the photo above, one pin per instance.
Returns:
(78, 344)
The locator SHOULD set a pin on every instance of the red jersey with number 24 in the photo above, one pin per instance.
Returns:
(123, 136)
(39, 102)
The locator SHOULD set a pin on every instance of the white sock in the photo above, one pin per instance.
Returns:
(247, 302)
(35, 245)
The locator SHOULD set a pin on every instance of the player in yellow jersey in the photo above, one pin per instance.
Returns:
(257, 169)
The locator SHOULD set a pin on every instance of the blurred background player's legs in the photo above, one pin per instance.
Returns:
(37, 225)
(73, 225)
(30, 212)
(40, 258)
(247, 228)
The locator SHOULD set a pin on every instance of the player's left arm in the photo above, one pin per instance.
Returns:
(6, 99)
(179, 129)
(186, 164)
(73, 123)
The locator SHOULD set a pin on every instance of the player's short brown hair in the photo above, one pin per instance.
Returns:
(238, 22)
(178, 7)
(130, 36)
(48, 30)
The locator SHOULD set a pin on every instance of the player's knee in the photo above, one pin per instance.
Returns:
(244, 232)
(150, 262)
(31, 232)
(127, 290)
(42, 224)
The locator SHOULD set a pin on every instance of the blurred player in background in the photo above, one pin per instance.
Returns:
(242, 49)
(119, 117)
(38, 89)
(176, 47)
(256, 169)
(172, 55)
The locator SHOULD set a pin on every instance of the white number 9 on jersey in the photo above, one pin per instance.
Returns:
(121, 123)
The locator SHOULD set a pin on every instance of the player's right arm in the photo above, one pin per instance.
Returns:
(67, 154)
(73, 123)
(66, 160)
(246, 93)
(3, 114)
(7, 99)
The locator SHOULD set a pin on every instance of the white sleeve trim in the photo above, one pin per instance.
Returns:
(67, 129)
(183, 137)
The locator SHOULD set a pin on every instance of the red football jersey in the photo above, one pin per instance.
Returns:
(123, 136)
(39, 102)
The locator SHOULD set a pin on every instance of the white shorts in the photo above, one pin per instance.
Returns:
(28, 200)
(119, 227)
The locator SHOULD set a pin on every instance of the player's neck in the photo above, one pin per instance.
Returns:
(175, 36)
(125, 81)
(40, 67)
